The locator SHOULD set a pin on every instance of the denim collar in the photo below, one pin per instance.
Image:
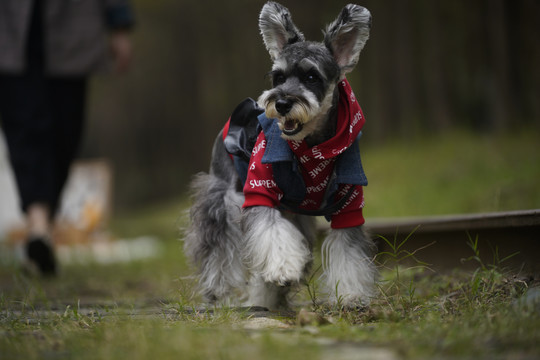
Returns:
(348, 168)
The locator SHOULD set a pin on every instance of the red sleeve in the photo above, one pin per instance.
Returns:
(351, 214)
(226, 128)
(260, 188)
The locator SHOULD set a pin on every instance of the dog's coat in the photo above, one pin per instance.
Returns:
(316, 177)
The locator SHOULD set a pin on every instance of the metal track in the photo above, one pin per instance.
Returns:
(442, 241)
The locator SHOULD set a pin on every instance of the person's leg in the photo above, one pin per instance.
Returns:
(43, 121)
(67, 98)
(27, 126)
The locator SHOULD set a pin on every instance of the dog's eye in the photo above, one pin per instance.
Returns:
(311, 78)
(278, 79)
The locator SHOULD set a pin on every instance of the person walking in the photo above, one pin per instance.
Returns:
(48, 50)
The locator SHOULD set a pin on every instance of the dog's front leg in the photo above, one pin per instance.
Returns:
(274, 248)
(349, 271)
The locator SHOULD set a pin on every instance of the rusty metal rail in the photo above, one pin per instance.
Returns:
(498, 220)
(443, 240)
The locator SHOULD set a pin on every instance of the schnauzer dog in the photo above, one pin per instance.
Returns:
(279, 162)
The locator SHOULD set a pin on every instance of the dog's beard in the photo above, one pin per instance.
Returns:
(306, 116)
(292, 124)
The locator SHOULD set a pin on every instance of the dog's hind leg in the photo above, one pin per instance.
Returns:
(213, 238)
(349, 271)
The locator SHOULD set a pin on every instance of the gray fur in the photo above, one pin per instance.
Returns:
(277, 28)
(258, 254)
(212, 241)
(347, 36)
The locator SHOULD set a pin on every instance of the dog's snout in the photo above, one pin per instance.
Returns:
(283, 106)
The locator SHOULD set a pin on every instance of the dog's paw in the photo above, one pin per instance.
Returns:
(283, 274)
(350, 301)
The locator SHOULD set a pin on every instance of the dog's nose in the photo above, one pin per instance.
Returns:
(283, 106)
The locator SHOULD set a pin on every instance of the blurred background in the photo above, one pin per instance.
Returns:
(430, 67)
(432, 72)
(450, 91)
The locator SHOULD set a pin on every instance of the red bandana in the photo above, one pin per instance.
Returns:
(349, 124)
(317, 164)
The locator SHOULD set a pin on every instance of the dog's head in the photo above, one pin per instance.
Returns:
(304, 74)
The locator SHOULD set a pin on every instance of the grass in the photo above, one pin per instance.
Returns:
(148, 309)
(454, 174)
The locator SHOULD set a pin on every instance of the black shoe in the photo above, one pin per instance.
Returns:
(41, 253)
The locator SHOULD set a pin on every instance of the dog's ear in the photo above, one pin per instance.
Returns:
(277, 28)
(346, 36)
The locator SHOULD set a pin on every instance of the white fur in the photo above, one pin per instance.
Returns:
(269, 295)
(279, 64)
(349, 272)
(312, 116)
(274, 248)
